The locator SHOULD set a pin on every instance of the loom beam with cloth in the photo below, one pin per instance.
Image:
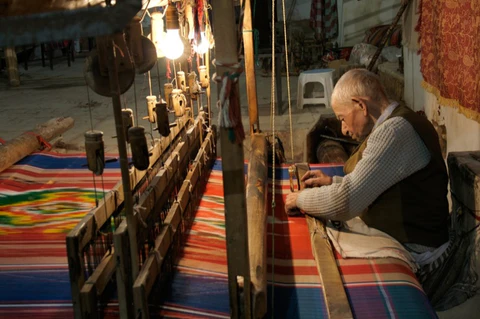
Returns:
(128, 248)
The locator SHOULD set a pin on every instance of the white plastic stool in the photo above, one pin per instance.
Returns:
(323, 76)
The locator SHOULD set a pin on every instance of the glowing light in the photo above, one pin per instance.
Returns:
(203, 46)
(173, 45)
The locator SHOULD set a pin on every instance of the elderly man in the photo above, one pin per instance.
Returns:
(395, 181)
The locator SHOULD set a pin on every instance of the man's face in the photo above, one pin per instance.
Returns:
(354, 119)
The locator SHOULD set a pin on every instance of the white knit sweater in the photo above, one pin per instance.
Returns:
(394, 151)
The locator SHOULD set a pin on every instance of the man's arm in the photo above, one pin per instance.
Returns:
(394, 151)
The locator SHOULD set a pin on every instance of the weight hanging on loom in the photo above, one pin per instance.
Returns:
(138, 144)
(163, 126)
(151, 101)
(94, 148)
(128, 122)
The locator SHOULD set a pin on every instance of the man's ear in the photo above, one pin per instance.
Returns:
(361, 102)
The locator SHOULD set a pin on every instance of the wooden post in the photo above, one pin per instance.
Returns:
(12, 67)
(257, 222)
(29, 142)
(250, 68)
(233, 171)
(124, 168)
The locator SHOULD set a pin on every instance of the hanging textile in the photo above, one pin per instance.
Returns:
(450, 61)
(324, 19)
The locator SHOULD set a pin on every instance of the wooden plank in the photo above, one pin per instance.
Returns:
(124, 285)
(334, 293)
(151, 269)
(250, 67)
(257, 223)
(95, 286)
(233, 169)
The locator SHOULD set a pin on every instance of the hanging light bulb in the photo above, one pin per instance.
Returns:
(173, 44)
(202, 47)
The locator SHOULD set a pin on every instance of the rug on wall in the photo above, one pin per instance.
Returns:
(450, 61)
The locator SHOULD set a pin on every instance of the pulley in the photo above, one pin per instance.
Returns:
(94, 148)
(161, 113)
(167, 90)
(179, 102)
(151, 101)
(138, 144)
(203, 76)
(128, 122)
(99, 82)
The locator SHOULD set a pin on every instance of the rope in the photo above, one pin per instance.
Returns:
(288, 78)
(272, 105)
(43, 142)
(229, 115)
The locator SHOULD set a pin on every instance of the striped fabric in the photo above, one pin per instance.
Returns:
(376, 288)
(42, 198)
(56, 191)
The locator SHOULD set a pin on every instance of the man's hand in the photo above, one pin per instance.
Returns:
(291, 204)
(316, 179)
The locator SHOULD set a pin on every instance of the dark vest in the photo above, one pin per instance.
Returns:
(415, 210)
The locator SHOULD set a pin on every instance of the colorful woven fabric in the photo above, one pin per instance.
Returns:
(42, 198)
(450, 60)
(34, 279)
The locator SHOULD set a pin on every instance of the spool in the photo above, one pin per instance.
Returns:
(94, 148)
(181, 84)
(138, 144)
(329, 151)
(203, 75)
(128, 122)
(179, 102)
(167, 90)
(151, 101)
(163, 125)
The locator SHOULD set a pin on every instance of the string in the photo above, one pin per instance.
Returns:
(288, 79)
(272, 104)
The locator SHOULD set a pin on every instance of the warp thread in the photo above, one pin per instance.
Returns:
(229, 115)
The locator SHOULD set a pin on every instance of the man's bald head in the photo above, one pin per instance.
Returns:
(359, 83)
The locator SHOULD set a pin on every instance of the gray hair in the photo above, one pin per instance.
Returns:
(358, 82)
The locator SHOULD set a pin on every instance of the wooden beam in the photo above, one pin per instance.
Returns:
(250, 68)
(12, 67)
(43, 21)
(336, 300)
(151, 269)
(257, 180)
(29, 142)
(233, 170)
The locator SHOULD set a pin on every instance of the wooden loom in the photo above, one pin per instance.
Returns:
(155, 209)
